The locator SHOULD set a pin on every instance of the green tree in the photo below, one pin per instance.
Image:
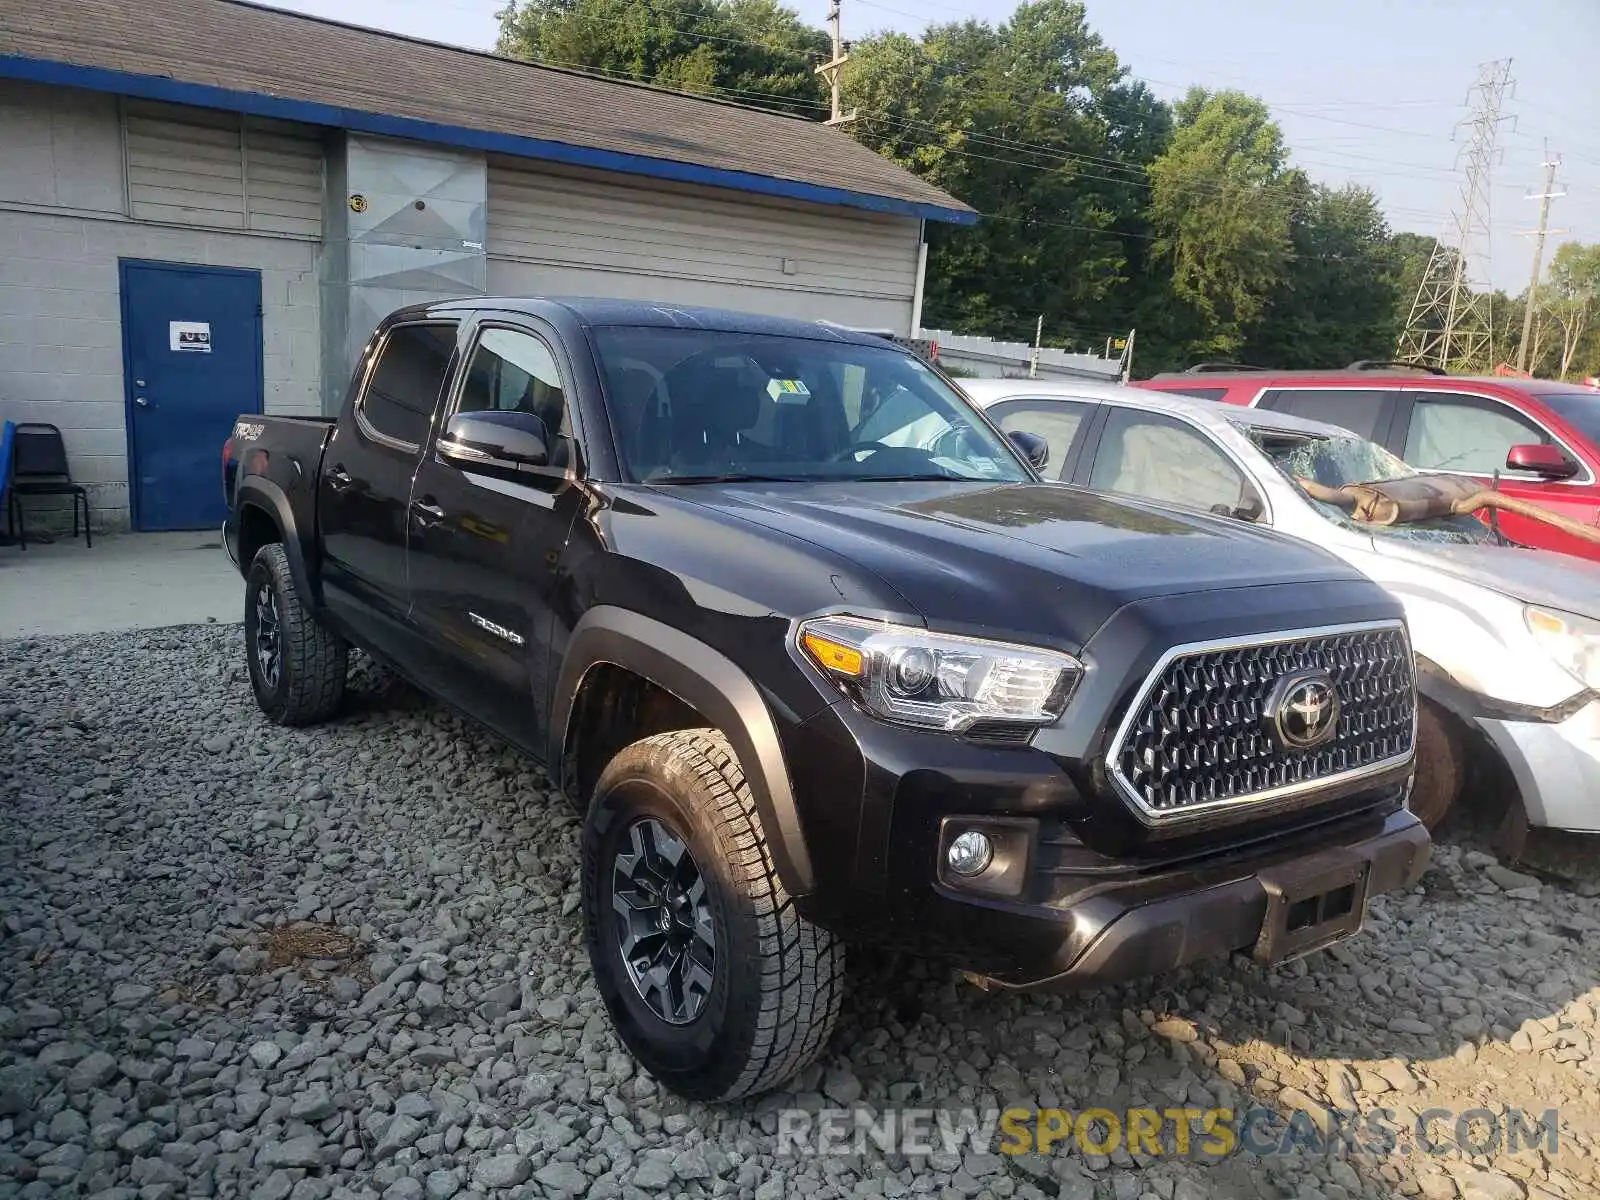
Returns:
(1338, 299)
(1572, 300)
(1221, 208)
(751, 50)
(1036, 124)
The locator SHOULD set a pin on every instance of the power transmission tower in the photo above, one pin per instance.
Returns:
(1450, 320)
(832, 70)
(1551, 163)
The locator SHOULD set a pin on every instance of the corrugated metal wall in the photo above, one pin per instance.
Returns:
(573, 232)
(192, 166)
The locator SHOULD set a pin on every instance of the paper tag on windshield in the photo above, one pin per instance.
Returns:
(788, 391)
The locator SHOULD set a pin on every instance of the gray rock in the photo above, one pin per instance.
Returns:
(305, 1151)
(68, 1125)
(404, 1188)
(502, 1171)
(653, 1175)
(401, 1132)
(1509, 880)
(140, 1139)
(842, 1087)
(430, 996)
(94, 1070)
(441, 1185)
(561, 1179)
(266, 1055)
(692, 1164)
(414, 1104)
(502, 1000)
(314, 1104)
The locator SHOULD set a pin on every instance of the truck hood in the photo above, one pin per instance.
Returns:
(1025, 558)
(1532, 576)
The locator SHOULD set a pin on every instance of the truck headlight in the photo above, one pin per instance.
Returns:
(940, 681)
(1572, 641)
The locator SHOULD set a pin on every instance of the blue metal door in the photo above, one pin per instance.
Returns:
(192, 362)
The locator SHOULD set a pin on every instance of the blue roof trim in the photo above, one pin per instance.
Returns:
(156, 87)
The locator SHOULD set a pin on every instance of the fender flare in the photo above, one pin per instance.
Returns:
(712, 684)
(257, 492)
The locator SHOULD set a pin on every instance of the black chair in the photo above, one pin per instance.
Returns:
(39, 468)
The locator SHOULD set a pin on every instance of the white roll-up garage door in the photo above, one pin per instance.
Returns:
(555, 231)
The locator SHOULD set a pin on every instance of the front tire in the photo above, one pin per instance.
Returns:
(297, 667)
(713, 981)
(1439, 766)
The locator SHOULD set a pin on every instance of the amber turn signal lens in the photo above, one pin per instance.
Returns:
(833, 656)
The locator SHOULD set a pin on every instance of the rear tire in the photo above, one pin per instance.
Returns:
(1439, 766)
(297, 667)
(721, 989)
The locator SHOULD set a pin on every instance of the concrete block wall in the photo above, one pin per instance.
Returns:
(61, 332)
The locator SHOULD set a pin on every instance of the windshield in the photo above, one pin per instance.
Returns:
(1581, 410)
(1337, 461)
(696, 406)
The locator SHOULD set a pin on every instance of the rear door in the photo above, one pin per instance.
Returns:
(1366, 412)
(365, 488)
(1466, 433)
(483, 551)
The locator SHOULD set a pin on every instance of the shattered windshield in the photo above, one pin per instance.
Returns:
(1337, 461)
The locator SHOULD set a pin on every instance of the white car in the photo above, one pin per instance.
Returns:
(1507, 639)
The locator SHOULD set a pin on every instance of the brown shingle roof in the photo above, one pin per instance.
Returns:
(243, 56)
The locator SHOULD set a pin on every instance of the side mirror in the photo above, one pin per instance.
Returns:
(1249, 508)
(496, 442)
(1033, 447)
(1541, 459)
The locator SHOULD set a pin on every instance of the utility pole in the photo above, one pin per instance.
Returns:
(1450, 321)
(1545, 195)
(833, 69)
(1038, 340)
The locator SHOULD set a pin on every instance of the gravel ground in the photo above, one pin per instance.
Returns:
(237, 960)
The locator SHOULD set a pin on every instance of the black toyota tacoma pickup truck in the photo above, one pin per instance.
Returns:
(821, 661)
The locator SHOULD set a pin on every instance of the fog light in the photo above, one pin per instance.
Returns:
(970, 853)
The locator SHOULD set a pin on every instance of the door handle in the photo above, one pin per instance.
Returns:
(339, 479)
(427, 515)
(141, 402)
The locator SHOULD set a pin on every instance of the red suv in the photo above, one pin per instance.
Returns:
(1542, 437)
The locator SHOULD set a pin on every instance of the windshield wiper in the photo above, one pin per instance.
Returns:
(928, 478)
(732, 478)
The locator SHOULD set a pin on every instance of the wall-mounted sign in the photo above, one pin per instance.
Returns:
(358, 203)
(193, 336)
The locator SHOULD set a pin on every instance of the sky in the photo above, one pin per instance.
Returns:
(1366, 91)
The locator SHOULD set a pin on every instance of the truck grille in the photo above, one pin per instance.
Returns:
(1198, 736)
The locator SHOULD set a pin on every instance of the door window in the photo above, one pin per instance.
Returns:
(404, 385)
(1056, 421)
(1363, 412)
(1465, 433)
(512, 371)
(1158, 458)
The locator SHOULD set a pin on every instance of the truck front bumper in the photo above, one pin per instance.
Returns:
(1556, 766)
(1271, 911)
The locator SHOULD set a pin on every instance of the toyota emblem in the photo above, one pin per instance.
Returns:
(1303, 710)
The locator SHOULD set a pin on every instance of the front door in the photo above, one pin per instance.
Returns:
(192, 362)
(484, 550)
